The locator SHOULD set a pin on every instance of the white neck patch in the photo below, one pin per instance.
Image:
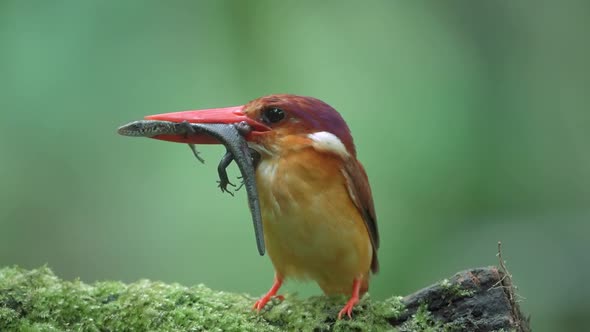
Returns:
(328, 142)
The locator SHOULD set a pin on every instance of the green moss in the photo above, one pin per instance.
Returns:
(37, 300)
(453, 290)
(296, 314)
(423, 321)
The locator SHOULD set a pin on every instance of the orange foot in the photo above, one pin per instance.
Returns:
(354, 299)
(271, 293)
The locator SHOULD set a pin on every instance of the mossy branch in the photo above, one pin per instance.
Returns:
(36, 300)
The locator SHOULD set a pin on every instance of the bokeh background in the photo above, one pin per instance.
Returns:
(471, 118)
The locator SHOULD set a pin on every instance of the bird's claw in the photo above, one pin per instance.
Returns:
(348, 307)
(272, 293)
(258, 305)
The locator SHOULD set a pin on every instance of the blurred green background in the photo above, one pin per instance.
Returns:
(471, 119)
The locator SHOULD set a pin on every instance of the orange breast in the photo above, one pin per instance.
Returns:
(312, 229)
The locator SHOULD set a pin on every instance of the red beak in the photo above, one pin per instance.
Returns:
(227, 115)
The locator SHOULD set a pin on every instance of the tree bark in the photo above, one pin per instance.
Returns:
(480, 299)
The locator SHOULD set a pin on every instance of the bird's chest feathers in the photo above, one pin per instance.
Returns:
(306, 208)
(299, 186)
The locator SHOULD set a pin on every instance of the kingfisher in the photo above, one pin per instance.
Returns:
(316, 204)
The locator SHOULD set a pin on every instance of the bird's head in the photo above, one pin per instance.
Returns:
(278, 123)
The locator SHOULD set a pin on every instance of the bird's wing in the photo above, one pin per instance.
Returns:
(360, 193)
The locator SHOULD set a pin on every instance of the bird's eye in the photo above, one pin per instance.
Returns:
(273, 115)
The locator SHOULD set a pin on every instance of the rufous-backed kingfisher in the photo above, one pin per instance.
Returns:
(317, 208)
